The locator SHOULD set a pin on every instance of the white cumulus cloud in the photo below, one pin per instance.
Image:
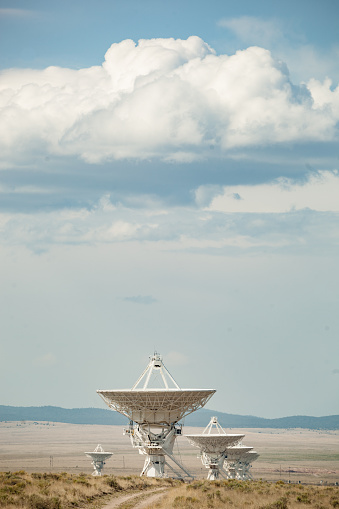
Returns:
(320, 193)
(161, 98)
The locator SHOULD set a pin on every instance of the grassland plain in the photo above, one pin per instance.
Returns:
(296, 455)
(66, 491)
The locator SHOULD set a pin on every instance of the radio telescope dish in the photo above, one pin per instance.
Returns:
(156, 412)
(251, 456)
(213, 442)
(243, 464)
(235, 453)
(98, 457)
(233, 464)
(156, 407)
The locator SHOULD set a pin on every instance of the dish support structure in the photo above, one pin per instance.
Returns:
(239, 468)
(214, 463)
(98, 465)
(158, 449)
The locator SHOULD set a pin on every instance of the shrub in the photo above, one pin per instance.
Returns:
(234, 484)
(14, 487)
(303, 498)
(81, 480)
(195, 485)
(178, 501)
(184, 502)
(38, 502)
(279, 504)
(36, 475)
(113, 483)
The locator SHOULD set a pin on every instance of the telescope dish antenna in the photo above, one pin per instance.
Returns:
(233, 461)
(98, 457)
(154, 414)
(213, 443)
(251, 456)
(239, 462)
(237, 452)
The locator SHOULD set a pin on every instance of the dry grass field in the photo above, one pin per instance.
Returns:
(297, 455)
(251, 494)
(66, 491)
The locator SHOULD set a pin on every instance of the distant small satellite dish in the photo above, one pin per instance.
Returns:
(98, 457)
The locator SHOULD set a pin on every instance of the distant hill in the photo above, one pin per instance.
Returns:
(57, 414)
(199, 418)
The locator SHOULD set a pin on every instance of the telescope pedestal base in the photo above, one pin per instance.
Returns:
(213, 474)
(154, 466)
(98, 466)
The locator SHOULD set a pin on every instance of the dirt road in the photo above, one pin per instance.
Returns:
(142, 500)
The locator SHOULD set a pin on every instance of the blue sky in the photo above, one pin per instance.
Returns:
(169, 180)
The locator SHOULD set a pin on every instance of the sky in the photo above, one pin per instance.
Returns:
(169, 182)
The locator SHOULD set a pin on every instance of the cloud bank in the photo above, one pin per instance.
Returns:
(174, 100)
(320, 192)
(283, 216)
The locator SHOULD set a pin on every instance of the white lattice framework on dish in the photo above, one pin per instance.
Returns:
(98, 457)
(213, 442)
(156, 412)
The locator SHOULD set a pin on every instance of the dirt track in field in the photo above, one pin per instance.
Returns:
(141, 500)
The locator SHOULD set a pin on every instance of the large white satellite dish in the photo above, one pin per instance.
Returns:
(156, 412)
(98, 457)
(213, 443)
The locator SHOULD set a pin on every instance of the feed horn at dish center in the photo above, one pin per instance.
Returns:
(154, 414)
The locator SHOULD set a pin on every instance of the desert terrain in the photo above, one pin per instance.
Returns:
(293, 455)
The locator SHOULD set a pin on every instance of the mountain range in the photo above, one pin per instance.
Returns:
(199, 418)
